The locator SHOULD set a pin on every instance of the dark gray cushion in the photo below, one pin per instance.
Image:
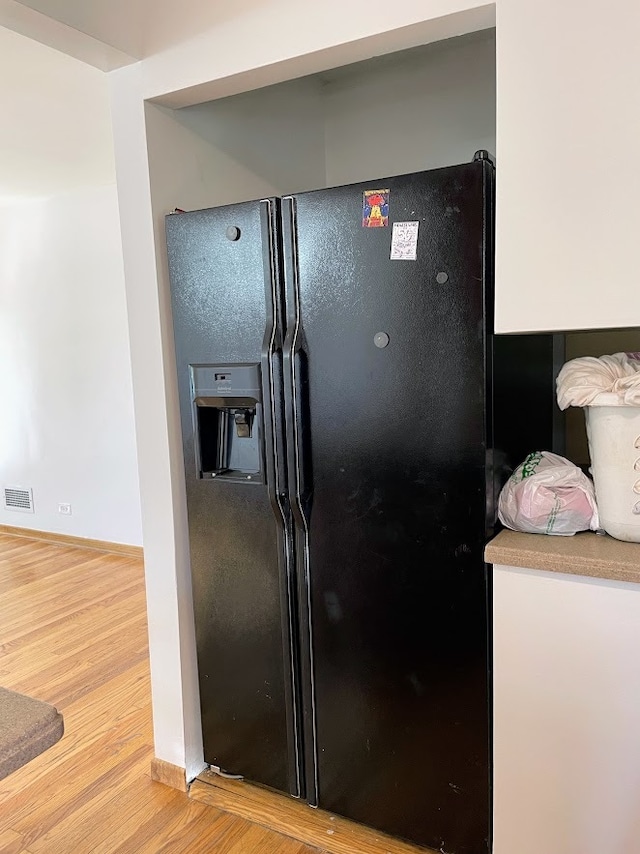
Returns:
(27, 728)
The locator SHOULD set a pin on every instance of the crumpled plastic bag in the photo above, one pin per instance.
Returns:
(547, 494)
(583, 380)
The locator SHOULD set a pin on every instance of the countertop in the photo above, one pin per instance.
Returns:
(583, 554)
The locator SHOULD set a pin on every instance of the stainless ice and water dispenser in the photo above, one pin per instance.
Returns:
(227, 421)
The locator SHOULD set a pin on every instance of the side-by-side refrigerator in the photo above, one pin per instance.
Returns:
(335, 362)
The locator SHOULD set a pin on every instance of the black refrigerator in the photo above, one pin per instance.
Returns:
(335, 362)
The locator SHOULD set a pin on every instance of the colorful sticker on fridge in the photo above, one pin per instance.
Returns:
(375, 209)
(404, 241)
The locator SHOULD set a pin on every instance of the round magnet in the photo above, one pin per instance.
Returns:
(233, 232)
(381, 339)
(442, 278)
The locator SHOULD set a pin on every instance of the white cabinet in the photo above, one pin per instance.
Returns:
(568, 137)
(566, 714)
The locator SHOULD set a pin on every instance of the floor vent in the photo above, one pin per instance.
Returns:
(16, 498)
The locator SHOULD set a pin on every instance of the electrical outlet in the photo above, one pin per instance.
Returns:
(65, 509)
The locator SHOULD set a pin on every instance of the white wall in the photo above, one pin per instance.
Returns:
(66, 418)
(566, 699)
(433, 107)
(66, 424)
(267, 142)
(568, 141)
(56, 124)
(419, 109)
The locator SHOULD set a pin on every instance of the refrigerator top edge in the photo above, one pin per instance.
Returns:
(379, 181)
(177, 212)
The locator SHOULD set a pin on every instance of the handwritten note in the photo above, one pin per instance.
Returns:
(404, 241)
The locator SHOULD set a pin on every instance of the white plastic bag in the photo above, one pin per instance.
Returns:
(547, 494)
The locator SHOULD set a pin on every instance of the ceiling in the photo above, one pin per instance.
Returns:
(132, 29)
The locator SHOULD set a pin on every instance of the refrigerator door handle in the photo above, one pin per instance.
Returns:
(295, 378)
(296, 387)
(275, 469)
(275, 455)
(298, 362)
(275, 466)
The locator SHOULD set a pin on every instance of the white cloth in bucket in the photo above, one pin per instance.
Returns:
(582, 381)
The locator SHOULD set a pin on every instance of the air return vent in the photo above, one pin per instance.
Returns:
(17, 498)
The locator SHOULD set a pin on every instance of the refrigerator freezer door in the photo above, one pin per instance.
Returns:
(385, 380)
(227, 319)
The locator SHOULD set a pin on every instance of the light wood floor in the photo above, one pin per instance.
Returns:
(73, 632)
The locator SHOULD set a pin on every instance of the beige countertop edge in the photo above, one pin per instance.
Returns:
(584, 554)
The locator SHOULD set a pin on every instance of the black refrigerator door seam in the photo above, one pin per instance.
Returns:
(299, 482)
(493, 487)
(276, 477)
(488, 264)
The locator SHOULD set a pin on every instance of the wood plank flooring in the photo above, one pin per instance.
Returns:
(330, 832)
(73, 633)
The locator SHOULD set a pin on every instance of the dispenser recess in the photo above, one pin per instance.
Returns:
(227, 422)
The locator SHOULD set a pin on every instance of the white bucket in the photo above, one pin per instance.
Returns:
(614, 443)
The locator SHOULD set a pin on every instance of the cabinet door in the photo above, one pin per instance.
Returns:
(568, 137)
(566, 698)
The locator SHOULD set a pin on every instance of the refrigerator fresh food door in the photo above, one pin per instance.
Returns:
(386, 288)
(224, 269)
